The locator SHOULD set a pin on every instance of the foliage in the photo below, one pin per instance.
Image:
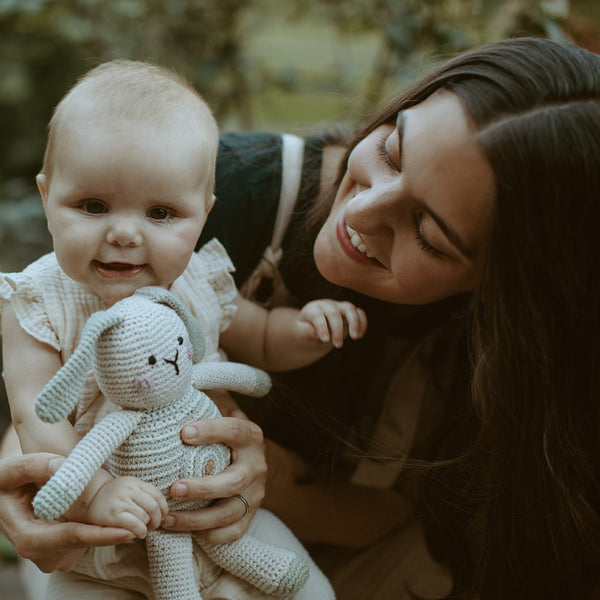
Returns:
(46, 44)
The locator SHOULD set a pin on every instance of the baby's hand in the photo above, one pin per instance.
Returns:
(332, 321)
(129, 503)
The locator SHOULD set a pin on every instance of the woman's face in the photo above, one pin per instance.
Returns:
(412, 215)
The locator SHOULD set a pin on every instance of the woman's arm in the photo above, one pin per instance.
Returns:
(332, 512)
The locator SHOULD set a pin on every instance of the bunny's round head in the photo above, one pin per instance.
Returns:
(145, 361)
(142, 349)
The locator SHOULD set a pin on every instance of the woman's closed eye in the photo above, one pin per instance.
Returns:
(382, 151)
(422, 240)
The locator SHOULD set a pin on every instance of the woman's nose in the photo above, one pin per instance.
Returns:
(374, 209)
(124, 232)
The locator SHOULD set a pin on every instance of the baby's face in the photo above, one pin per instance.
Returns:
(127, 202)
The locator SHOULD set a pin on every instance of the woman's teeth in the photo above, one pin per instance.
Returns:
(358, 243)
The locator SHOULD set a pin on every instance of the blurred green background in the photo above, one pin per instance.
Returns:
(261, 64)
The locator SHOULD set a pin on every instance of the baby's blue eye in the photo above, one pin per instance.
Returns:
(94, 207)
(158, 213)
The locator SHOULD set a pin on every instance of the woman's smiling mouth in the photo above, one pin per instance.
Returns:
(358, 242)
(353, 245)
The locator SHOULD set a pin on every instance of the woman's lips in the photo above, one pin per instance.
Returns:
(117, 270)
(352, 244)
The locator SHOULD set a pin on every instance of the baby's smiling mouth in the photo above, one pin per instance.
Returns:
(117, 269)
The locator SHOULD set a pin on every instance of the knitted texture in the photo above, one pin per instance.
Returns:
(143, 360)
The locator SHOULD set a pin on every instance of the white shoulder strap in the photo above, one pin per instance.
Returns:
(292, 150)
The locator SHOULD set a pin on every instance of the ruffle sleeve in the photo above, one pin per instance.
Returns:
(27, 299)
(213, 263)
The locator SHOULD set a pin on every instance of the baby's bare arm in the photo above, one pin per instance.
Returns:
(286, 338)
(28, 366)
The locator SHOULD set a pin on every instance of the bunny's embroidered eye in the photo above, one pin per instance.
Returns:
(151, 360)
(180, 340)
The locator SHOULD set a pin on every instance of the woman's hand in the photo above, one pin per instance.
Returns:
(51, 545)
(228, 518)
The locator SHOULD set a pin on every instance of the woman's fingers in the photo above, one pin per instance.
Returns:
(226, 518)
(51, 545)
(232, 431)
(58, 546)
(224, 521)
(17, 471)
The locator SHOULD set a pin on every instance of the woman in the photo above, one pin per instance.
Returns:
(463, 220)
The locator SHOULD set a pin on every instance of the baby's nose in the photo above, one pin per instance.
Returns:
(124, 232)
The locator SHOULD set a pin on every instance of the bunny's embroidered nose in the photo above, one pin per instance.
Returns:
(174, 362)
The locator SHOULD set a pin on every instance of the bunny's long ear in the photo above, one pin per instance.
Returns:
(60, 394)
(162, 296)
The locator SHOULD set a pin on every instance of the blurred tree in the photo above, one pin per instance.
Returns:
(414, 33)
(46, 44)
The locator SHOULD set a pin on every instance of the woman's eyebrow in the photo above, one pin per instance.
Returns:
(450, 233)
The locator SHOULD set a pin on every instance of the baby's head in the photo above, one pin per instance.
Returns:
(123, 92)
(128, 176)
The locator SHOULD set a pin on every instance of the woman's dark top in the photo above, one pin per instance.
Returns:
(321, 409)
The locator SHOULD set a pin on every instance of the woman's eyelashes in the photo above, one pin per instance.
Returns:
(422, 240)
(383, 153)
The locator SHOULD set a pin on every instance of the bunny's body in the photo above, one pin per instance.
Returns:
(176, 460)
(142, 351)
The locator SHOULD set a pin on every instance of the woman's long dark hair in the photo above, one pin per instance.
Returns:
(532, 473)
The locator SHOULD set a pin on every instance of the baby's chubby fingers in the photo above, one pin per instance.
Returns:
(356, 319)
(313, 316)
(129, 503)
(332, 321)
(153, 504)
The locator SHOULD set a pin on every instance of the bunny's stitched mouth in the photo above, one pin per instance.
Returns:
(173, 362)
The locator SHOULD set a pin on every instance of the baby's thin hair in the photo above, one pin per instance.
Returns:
(130, 90)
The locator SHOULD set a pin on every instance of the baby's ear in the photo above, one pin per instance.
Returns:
(211, 203)
(40, 179)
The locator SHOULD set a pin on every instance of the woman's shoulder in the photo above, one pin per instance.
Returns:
(247, 185)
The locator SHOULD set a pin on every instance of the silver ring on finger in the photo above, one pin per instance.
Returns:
(246, 505)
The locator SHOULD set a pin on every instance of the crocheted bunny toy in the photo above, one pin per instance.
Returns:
(145, 352)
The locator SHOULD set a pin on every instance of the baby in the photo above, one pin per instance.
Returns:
(127, 185)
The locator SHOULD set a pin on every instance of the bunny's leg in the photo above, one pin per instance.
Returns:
(171, 564)
(273, 570)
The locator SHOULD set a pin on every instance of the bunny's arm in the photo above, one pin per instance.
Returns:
(231, 376)
(68, 483)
